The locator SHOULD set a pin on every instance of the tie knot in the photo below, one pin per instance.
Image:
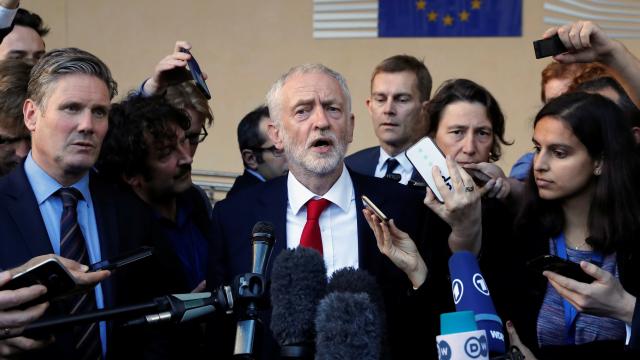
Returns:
(316, 207)
(69, 196)
(392, 164)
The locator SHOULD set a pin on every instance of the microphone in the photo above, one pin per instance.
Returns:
(298, 282)
(252, 286)
(460, 338)
(470, 292)
(348, 327)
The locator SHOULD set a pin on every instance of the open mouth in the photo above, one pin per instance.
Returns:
(321, 144)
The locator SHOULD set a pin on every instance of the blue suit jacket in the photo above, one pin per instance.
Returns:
(365, 161)
(234, 219)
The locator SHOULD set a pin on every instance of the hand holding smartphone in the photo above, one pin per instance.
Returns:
(424, 155)
(196, 73)
(549, 47)
(559, 266)
(371, 206)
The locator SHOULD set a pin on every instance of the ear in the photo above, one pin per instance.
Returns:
(597, 168)
(249, 158)
(636, 134)
(368, 104)
(134, 181)
(30, 111)
(275, 134)
(352, 122)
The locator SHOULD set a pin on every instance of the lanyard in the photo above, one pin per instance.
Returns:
(570, 313)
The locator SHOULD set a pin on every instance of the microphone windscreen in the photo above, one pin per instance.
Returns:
(348, 327)
(470, 292)
(298, 282)
(263, 231)
(353, 280)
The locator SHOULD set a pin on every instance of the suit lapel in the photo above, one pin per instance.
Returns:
(106, 220)
(273, 197)
(369, 256)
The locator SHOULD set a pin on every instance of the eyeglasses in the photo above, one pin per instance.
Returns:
(276, 152)
(9, 140)
(197, 137)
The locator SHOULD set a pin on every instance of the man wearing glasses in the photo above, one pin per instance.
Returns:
(262, 161)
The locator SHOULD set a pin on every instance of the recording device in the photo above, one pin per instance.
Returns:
(393, 177)
(470, 292)
(196, 73)
(50, 273)
(123, 259)
(424, 155)
(560, 266)
(549, 47)
(371, 206)
(348, 327)
(251, 288)
(460, 338)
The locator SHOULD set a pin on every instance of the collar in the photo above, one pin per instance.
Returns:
(44, 185)
(256, 174)
(340, 194)
(403, 160)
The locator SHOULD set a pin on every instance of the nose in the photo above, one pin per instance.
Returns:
(321, 120)
(86, 122)
(186, 157)
(540, 163)
(469, 144)
(22, 148)
(388, 108)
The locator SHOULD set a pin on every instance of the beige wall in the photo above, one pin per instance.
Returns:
(245, 45)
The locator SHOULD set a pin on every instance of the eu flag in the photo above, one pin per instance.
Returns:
(417, 18)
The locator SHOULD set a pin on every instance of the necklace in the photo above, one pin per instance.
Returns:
(580, 246)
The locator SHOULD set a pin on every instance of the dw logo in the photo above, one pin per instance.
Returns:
(480, 284)
(458, 289)
(475, 347)
(444, 350)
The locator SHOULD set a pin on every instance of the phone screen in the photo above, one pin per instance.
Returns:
(424, 155)
(196, 73)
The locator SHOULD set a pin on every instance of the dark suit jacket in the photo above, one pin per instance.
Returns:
(244, 181)
(235, 217)
(122, 225)
(365, 161)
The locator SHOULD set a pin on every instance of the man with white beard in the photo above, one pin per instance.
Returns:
(318, 205)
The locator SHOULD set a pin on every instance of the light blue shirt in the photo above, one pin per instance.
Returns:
(44, 188)
(256, 174)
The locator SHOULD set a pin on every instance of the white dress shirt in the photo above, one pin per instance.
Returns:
(338, 222)
(404, 168)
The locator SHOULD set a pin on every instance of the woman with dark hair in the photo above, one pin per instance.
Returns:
(467, 124)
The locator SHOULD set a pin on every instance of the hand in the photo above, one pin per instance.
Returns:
(398, 247)
(585, 42)
(497, 185)
(13, 321)
(9, 348)
(170, 70)
(77, 270)
(10, 4)
(514, 340)
(603, 297)
(461, 209)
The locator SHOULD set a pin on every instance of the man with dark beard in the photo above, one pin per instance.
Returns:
(318, 206)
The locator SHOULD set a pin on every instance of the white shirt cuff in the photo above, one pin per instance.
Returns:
(6, 16)
(626, 342)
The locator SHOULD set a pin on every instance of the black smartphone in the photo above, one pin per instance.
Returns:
(123, 259)
(549, 47)
(196, 73)
(50, 273)
(560, 266)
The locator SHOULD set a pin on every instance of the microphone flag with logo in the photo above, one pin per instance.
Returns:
(470, 292)
(460, 338)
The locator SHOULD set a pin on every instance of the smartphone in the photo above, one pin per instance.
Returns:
(371, 206)
(560, 266)
(123, 259)
(549, 47)
(51, 273)
(196, 73)
(424, 155)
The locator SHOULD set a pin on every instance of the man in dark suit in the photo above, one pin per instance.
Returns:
(313, 123)
(400, 90)
(262, 161)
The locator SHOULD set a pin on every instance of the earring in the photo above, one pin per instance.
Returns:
(597, 171)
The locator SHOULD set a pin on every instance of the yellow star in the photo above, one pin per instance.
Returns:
(432, 16)
(464, 16)
(475, 4)
(421, 4)
(448, 20)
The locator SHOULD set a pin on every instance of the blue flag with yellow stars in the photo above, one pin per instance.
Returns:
(418, 18)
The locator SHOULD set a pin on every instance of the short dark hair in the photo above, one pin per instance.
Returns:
(599, 125)
(630, 110)
(32, 20)
(466, 90)
(14, 77)
(249, 136)
(126, 146)
(399, 63)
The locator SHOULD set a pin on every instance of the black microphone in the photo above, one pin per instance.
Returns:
(298, 282)
(348, 327)
(253, 287)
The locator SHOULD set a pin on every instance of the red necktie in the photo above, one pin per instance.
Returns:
(311, 237)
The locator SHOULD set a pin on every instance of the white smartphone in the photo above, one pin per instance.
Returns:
(424, 155)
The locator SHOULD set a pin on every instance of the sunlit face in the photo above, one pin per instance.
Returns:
(555, 87)
(22, 43)
(14, 146)
(562, 166)
(274, 162)
(465, 132)
(395, 108)
(67, 131)
(315, 126)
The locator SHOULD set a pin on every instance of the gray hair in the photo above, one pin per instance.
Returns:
(273, 96)
(67, 61)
